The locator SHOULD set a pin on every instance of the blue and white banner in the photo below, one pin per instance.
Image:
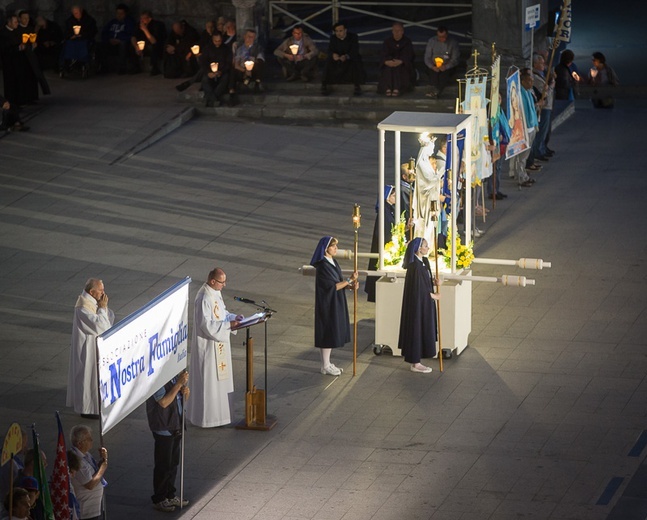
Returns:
(141, 353)
(476, 104)
(565, 21)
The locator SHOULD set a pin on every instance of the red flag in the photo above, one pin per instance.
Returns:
(60, 488)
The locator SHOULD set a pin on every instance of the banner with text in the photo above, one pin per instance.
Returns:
(141, 353)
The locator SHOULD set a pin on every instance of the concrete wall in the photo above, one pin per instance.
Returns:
(196, 12)
(502, 22)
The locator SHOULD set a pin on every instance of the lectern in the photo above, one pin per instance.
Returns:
(256, 417)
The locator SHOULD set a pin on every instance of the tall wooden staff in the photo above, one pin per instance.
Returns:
(556, 41)
(495, 188)
(435, 211)
(411, 177)
(357, 218)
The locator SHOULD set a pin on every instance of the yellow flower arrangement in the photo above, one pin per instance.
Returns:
(464, 253)
(395, 249)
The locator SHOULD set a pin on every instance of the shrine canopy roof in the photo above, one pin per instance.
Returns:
(420, 122)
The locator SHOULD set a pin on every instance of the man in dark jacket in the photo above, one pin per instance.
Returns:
(215, 64)
(344, 63)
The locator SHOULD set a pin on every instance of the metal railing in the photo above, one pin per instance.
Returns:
(328, 12)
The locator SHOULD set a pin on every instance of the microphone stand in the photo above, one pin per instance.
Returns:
(263, 305)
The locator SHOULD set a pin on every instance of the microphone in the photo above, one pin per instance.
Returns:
(244, 300)
(267, 307)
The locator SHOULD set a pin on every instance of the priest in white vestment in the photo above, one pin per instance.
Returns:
(210, 364)
(91, 318)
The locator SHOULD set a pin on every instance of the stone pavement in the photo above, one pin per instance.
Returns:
(539, 418)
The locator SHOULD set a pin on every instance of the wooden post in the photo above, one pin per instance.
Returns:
(440, 341)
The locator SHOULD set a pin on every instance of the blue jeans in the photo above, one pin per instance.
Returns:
(539, 145)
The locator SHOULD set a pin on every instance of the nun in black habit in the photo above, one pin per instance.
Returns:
(332, 326)
(418, 321)
(388, 209)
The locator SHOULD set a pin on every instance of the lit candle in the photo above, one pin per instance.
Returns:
(214, 66)
(141, 44)
(77, 29)
(294, 48)
(25, 37)
(438, 61)
(249, 65)
(195, 49)
(32, 37)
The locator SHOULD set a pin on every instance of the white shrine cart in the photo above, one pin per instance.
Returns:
(455, 291)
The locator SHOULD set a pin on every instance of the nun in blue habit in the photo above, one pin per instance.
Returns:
(388, 209)
(418, 321)
(332, 326)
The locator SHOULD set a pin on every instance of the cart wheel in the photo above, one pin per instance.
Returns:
(447, 353)
(377, 350)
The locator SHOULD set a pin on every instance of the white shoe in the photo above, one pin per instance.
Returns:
(338, 368)
(331, 370)
(421, 369)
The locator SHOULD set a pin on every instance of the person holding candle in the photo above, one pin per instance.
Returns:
(441, 58)
(179, 61)
(215, 65)
(153, 33)
(601, 75)
(566, 77)
(249, 64)
(80, 32)
(298, 55)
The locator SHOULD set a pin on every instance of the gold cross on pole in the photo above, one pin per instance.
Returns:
(475, 54)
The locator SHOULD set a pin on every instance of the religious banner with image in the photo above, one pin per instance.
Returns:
(476, 104)
(516, 117)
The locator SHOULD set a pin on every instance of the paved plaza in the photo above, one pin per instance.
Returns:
(538, 418)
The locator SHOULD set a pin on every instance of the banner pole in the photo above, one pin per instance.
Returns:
(11, 487)
(182, 454)
(96, 356)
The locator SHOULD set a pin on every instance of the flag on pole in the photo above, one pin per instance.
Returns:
(44, 500)
(563, 32)
(61, 499)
